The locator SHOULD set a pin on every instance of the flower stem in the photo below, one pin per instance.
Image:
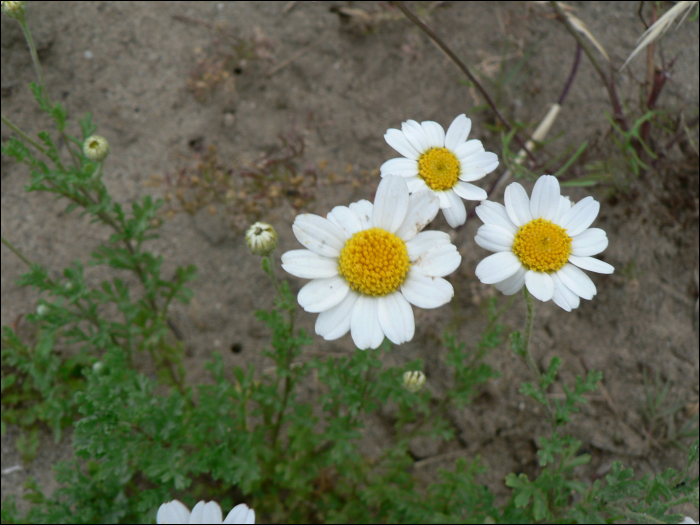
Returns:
(42, 83)
(18, 253)
(529, 359)
(35, 56)
(22, 134)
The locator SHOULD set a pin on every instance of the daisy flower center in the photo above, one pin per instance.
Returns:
(439, 168)
(374, 262)
(542, 246)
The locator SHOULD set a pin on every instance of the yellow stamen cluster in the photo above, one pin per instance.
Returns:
(439, 168)
(374, 262)
(542, 246)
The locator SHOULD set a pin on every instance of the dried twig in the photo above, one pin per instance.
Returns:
(296, 55)
(422, 25)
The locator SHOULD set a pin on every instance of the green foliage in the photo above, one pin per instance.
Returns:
(70, 330)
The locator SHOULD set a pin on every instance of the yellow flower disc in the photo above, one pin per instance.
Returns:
(542, 246)
(374, 262)
(439, 168)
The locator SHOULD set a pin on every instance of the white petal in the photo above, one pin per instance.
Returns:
(424, 241)
(206, 513)
(416, 136)
(517, 204)
(470, 147)
(416, 184)
(400, 166)
(591, 264)
(364, 325)
(540, 285)
(591, 242)
(577, 281)
(439, 261)
(495, 213)
(398, 141)
(319, 235)
(424, 291)
(497, 267)
(458, 132)
(469, 191)
(345, 219)
(435, 133)
(486, 160)
(240, 514)
(335, 322)
(513, 284)
(494, 238)
(580, 217)
(390, 203)
(320, 295)
(563, 297)
(444, 199)
(471, 173)
(545, 198)
(173, 512)
(456, 214)
(423, 206)
(364, 211)
(564, 206)
(396, 318)
(309, 265)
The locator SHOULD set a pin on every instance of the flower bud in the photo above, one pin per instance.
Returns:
(98, 367)
(413, 381)
(96, 148)
(42, 310)
(261, 239)
(14, 10)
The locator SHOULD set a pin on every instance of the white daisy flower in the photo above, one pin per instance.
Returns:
(369, 261)
(442, 163)
(176, 512)
(541, 242)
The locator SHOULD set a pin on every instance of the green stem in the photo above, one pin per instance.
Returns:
(42, 83)
(14, 250)
(35, 56)
(269, 266)
(529, 359)
(639, 517)
(22, 134)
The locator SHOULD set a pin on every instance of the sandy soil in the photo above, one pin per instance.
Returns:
(304, 71)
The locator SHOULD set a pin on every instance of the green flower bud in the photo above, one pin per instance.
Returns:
(413, 381)
(261, 239)
(13, 10)
(96, 148)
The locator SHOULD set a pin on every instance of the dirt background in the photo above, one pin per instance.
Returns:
(338, 82)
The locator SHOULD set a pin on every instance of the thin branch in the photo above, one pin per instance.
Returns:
(570, 80)
(609, 85)
(461, 65)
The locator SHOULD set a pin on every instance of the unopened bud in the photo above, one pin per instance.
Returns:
(261, 239)
(98, 367)
(14, 10)
(413, 381)
(96, 148)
